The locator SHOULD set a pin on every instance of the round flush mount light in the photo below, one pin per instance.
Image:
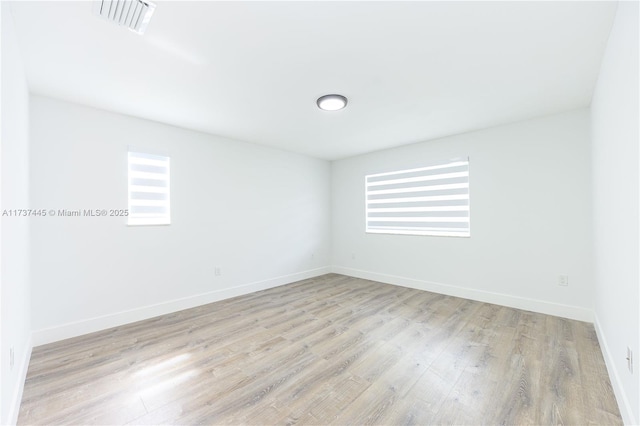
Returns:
(331, 102)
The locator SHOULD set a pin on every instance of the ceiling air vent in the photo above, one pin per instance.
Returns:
(133, 14)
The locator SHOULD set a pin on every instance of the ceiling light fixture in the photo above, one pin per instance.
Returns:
(133, 14)
(331, 102)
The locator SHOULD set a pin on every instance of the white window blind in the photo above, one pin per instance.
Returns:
(431, 200)
(149, 189)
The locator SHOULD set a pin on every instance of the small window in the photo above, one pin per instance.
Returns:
(431, 200)
(149, 195)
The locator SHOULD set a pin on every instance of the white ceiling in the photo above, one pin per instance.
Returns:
(252, 71)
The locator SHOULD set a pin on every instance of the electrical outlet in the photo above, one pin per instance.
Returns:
(12, 358)
(630, 359)
(563, 280)
(217, 271)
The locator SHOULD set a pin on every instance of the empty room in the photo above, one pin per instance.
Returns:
(301, 212)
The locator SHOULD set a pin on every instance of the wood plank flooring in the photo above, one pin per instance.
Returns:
(328, 350)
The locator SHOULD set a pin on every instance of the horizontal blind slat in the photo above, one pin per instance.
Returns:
(446, 192)
(146, 168)
(415, 199)
(421, 226)
(149, 189)
(417, 178)
(417, 209)
(417, 203)
(418, 219)
(421, 213)
(441, 232)
(425, 188)
(420, 183)
(149, 195)
(148, 182)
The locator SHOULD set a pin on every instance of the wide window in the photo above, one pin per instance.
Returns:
(149, 185)
(431, 200)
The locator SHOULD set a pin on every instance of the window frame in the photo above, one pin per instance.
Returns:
(453, 206)
(150, 161)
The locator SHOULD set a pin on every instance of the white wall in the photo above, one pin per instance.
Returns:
(15, 325)
(614, 116)
(260, 214)
(530, 218)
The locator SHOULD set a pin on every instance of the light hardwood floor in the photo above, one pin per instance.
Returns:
(328, 350)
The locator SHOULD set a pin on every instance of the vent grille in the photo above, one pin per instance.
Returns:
(133, 14)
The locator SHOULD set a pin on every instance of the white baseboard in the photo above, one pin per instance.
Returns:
(14, 408)
(540, 306)
(616, 383)
(90, 325)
